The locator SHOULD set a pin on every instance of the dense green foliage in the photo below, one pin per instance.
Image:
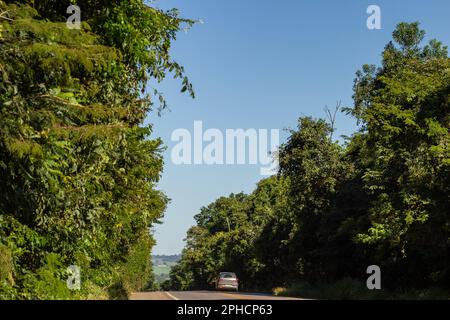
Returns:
(78, 172)
(381, 198)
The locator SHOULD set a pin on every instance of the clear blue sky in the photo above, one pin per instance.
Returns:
(262, 64)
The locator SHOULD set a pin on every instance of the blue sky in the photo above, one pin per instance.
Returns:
(262, 64)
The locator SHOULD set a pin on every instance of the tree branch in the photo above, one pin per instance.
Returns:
(2, 16)
(332, 117)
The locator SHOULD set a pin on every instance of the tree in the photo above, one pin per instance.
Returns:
(381, 198)
(406, 131)
(78, 168)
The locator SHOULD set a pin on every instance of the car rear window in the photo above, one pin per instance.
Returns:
(227, 275)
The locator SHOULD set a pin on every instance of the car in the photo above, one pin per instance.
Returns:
(227, 281)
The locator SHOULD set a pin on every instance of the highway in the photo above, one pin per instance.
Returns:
(204, 295)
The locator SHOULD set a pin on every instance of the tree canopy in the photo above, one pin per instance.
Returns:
(334, 209)
(79, 169)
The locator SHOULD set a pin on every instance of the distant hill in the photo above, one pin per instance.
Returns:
(161, 259)
(162, 265)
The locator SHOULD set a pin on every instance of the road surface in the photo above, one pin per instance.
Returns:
(204, 295)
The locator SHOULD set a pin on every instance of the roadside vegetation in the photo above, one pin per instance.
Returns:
(351, 289)
(162, 265)
(381, 198)
(78, 168)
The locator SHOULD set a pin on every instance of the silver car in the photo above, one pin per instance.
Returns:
(227, 281)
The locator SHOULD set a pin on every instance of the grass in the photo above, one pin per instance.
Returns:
(161, 271)
(350, 289)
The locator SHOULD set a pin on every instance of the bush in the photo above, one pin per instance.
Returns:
(48, 282)
(345, 289)
(136, 273)
(351, 289)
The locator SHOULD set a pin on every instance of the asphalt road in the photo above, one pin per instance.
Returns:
(204, 295)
